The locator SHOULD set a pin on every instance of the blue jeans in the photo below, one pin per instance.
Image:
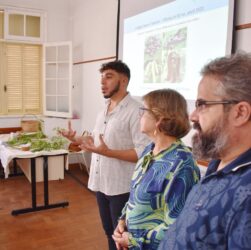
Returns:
(110, 207)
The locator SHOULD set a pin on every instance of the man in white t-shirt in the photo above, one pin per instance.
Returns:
(116, 144)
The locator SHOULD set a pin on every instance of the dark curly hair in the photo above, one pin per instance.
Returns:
(118, 66)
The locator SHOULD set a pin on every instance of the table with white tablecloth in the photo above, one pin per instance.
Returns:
(30, 161)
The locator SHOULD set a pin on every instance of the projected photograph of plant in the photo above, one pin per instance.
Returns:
(152, 59)
(174, 55)
(165, 56)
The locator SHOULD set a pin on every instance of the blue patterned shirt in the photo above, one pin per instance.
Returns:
(217, 213)
(159, 188)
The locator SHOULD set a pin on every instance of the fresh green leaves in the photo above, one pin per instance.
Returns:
(56, 142)
(38, 141)
(24, 138)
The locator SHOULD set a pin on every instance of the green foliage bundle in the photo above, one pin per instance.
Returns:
(38, 141)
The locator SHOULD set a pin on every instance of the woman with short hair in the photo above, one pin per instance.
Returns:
(164, 174)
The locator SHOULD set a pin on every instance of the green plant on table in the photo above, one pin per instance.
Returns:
(38, 141)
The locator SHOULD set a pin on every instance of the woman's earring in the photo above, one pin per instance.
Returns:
(155, 132)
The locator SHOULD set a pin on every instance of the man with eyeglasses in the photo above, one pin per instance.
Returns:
(217, 212)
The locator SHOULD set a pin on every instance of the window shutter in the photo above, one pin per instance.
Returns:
(14, 78)
(32, 78)
(23, 78)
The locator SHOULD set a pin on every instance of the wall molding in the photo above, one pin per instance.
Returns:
(243, 26)
(10, 130)
(203, 163)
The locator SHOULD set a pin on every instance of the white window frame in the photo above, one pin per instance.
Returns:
(25, 12)
(57, 113)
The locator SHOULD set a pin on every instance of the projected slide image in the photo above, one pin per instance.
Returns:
(164, 56)
(166, 47)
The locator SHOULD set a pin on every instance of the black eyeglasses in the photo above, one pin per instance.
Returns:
(201, 104)
(142, 110)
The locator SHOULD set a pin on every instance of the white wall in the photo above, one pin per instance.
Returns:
(94, 37)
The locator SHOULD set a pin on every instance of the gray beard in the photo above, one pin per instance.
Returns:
(210, 145)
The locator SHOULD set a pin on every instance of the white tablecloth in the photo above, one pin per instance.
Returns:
(7, 154)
